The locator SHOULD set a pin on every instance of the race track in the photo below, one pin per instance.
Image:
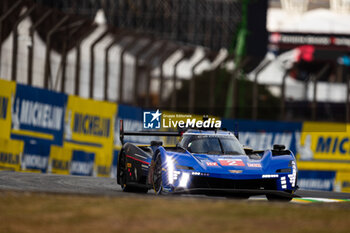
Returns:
(63, 184)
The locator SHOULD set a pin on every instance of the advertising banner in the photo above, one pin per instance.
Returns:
(90, 123)
(35, 157)
(10, 154)
(325, 147)
(103, 164)
(316, 180)
(325, 142)
(38, 114)
(7, 94)
(262, 135)
(342, 181)
(82, 163)
(60, 159)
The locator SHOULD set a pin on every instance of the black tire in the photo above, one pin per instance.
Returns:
(272, 197)
(123, 180)
(157, 180)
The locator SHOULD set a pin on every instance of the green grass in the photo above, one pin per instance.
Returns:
(33, 212)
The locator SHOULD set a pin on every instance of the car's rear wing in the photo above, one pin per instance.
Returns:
(123, 133)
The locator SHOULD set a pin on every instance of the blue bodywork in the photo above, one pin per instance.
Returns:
(181, 170)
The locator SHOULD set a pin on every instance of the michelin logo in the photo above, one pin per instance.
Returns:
(36, 114)
(151, 120)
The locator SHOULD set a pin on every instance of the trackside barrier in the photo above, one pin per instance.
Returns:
(49, 132)
(45, 131)
(322, 149)
(324, 156)
(7, 93)
(10, 154)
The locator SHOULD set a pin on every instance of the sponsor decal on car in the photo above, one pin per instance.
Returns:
(212, 164)
(231, 162)
(254, 165)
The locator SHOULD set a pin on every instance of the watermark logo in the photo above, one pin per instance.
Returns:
(157, 120)
(151, 119)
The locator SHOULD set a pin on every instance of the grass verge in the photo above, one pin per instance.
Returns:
(34, 212)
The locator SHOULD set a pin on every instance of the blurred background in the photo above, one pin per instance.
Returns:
(277, 60)
(279, 66)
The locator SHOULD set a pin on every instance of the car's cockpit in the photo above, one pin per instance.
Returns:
(217, 144)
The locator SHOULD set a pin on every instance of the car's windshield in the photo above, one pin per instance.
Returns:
(216, 144)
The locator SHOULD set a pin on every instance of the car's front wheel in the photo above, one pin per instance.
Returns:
(157, 175)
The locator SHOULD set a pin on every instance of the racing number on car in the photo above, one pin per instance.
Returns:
(231, 162)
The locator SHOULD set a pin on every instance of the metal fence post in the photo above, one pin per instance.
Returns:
(187, 54)
(161, 77)
(121, 67)
(2, 19)
(150, 58)
(31, 48)
(192, 89)
(137, 62)
(173, 94)
(48, 50)
(92, 61)
(64, 55)
(116, 40)
(77, 70)
(15, 42)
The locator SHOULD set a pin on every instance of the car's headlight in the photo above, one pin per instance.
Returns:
(170, 167)
(185, 177)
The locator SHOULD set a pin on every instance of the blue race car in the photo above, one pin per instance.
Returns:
(210, 162)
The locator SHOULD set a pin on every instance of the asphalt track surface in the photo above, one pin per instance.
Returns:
(79, 185)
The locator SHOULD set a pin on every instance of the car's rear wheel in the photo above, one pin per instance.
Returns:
(157, 176)
(122, 176)
(272, 197)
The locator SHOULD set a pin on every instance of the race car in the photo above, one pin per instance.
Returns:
(209, 162)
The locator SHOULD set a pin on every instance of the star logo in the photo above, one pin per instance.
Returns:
(156, 115)
(151, 119)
